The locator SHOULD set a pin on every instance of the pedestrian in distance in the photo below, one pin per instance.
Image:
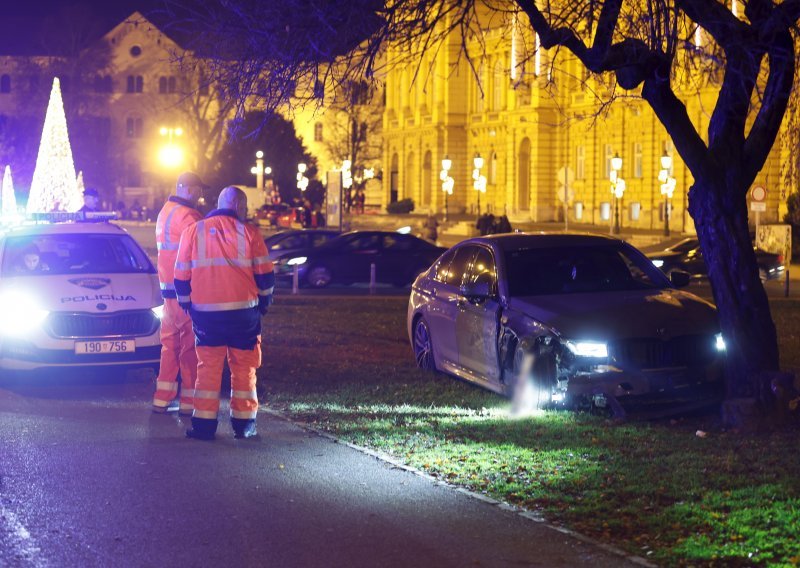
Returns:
(225, 280)
(431, 229)
(178, 358)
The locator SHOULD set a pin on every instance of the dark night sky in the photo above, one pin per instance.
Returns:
(27, 26)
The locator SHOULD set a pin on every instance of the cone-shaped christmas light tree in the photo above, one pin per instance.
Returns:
(9, 200)
(79, 182)
(54, 186)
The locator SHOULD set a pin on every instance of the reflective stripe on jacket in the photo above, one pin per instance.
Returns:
(174, 217)
(222, 265)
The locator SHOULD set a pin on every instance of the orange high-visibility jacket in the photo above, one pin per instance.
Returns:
(223, 265)
(174, 217)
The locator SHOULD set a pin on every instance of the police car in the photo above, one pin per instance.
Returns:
(77, 295)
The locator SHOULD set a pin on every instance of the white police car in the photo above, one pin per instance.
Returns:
(77, 295)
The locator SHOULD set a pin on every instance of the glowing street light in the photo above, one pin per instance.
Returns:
(259, 170)
(302, 180)
(667, 187)
(447, 181)
(617, 188)
(170, 155)
(478, 181)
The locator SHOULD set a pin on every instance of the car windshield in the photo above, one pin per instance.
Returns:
(576, 269)
(43, 255)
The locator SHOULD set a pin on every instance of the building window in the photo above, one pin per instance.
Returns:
(133, 174)
(318, 132)
(162, 85)
(497, 87)
(5, 84)
(580, 162)
(609, 153)
(605, 210)
(637, 160)
(133, 127)
(135, 83)
(493, 168)
(135, 51)
(166, 85)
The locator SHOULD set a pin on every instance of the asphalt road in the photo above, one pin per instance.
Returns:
(90, 477)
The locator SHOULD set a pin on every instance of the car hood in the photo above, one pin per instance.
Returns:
(93, 293)
(614, 315)
(665, 254)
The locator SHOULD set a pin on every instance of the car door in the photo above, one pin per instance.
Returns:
(441, 316)
(356, 256)
(477, 321)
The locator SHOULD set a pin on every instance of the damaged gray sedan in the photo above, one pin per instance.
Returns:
(565, 319)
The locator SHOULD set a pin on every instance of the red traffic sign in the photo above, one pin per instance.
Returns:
(758, 193)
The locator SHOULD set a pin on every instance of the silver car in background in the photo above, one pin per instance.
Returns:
(565, 319)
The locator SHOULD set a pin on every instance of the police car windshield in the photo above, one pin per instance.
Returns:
(43, 255)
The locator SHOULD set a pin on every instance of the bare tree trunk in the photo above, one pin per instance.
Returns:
(720, 216)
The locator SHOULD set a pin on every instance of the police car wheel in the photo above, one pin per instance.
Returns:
(320, 276)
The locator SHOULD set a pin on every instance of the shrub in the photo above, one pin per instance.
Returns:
(403, 206)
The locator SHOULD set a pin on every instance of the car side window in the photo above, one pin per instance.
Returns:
(396, 243)
(482, 269)
(317, 240)
(459, 265)
(364, 243)
(442, 266)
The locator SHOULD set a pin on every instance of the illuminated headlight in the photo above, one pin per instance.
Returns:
(20, 312)
(720, 342)
(588, 348)
(296, 261)
(158, 311)
(658, 263)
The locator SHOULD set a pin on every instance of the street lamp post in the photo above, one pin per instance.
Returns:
(302, 180)
(667, 188)
(447, 181)
(617, 188)
(170, 155)
(478, 181)
(259, 170)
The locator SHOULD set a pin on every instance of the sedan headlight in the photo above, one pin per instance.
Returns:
(658, 263)
(296, 261)
(720, 342)
(158, 311)
(588, 348)
(20, 312)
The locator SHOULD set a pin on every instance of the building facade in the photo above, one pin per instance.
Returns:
(545, 138)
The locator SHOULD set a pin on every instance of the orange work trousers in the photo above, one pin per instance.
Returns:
(177, 355)
(243, 364)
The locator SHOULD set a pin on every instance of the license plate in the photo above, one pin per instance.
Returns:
(92, 347)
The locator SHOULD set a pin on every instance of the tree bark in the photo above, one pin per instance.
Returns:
(720, 215)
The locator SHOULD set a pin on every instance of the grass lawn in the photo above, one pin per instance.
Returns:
(658, 489)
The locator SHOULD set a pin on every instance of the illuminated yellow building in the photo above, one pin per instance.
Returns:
(538, 127)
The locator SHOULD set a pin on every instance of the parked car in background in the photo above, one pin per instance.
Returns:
(281, 215)
(573, 319)
(686, 255)
(288, 242)
(77, 295)
(346, 259)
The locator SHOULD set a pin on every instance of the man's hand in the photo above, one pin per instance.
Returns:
(264, 303)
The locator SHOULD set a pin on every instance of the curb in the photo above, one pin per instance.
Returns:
(524, 513)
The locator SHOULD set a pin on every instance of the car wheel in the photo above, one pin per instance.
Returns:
(423, 346)
(320, 276)
(533, 379)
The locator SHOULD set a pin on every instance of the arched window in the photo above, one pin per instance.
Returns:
(318, 132)
(493, 168)
(497, 86)
(162, 85)
(135, 83)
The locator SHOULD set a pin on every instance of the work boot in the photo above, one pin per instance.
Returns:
(202, 429)
(243, 428)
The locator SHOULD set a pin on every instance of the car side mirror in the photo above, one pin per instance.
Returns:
(476, 292)
(680, 278)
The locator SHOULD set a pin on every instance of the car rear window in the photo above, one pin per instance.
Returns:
(569, 270)
(43, 255)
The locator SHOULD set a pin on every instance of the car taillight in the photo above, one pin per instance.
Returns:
(780, 259)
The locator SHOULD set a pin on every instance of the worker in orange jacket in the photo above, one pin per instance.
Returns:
(225, 280)
(178, 358)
